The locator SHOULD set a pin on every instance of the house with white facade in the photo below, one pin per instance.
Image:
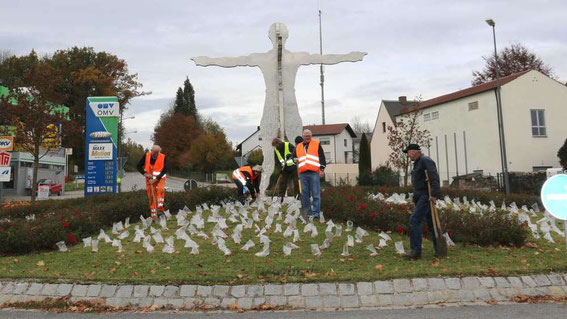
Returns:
(464, 126)
(336, 141)
(387, 112)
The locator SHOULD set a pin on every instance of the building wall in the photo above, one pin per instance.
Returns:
(251, 143)
(379, 149)
(479, 127)
(533, 91)
(335, 150)
(337, 174)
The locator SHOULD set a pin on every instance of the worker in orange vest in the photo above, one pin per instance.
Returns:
(153, 165)
(247, 180)
(310, 160)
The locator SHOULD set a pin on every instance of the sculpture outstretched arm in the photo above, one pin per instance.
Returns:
(247, 60)
(354, 56)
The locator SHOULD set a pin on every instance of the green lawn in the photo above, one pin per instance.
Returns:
(135, 265)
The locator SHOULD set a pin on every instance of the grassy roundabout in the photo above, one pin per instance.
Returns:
(210, 266)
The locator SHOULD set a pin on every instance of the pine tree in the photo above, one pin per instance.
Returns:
(364, 160)
(179, 105)
(189, 98)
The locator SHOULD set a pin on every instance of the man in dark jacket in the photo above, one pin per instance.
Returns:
(283, 157)
(421, 198)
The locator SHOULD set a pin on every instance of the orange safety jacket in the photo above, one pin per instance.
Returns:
(238, 175)
(309, 161)
(158, 166)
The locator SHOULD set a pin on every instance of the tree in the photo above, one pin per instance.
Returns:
(209, 151)
(360, 127)
(176, 136)
(364, 165)
(255, 158)
(133, 152)
(185, 100)
(562, 154)
(83, 73)
(405, 131)
(513, 59)
(32, 114)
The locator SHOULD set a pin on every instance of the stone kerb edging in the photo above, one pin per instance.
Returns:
(313, 296)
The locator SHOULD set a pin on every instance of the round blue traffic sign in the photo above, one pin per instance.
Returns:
(554, 196)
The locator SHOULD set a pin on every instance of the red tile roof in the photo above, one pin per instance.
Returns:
(466, 92)
(329, 129)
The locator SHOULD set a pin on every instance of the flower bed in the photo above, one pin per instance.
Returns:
(28, 228)
(488, 228)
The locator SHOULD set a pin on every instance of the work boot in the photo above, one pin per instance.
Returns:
(413, 255)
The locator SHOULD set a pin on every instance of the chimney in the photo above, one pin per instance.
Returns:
(403, 99)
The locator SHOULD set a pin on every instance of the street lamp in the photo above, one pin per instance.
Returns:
(503, 157)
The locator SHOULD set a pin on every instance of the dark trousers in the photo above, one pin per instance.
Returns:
(284, 179)
(239, 188)
(421, 212)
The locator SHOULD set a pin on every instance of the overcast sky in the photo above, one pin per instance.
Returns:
(425, 48)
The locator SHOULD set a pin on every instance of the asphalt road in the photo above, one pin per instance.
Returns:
(135, 181)
(511, 311)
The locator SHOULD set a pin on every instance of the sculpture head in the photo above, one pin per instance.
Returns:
(275, 29)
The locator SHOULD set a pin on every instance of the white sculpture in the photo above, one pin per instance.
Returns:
(279, 67)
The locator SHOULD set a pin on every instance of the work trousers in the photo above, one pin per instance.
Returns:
(421, 212)
(156, 198)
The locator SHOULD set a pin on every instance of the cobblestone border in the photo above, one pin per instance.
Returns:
(314, 296)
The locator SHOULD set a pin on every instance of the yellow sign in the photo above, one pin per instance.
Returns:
(6, 143)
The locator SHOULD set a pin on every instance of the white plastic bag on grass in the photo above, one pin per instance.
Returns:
(168, 248)
(315, 250)
(400, 247)
(61, 246)
(249, 244)
(87, 242)
(94, 245)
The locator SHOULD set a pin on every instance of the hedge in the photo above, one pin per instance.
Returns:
(352, 203)
(49, 222)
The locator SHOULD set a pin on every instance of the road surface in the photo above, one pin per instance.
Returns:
(510, 311)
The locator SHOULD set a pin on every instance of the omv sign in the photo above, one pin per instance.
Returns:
(105, 109)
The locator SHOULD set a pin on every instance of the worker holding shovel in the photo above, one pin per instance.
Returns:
(425, 181)
(153, 165)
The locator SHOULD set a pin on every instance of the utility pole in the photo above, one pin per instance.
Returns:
(322, 77)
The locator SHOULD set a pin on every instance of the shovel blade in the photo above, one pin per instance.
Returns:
(441, 247)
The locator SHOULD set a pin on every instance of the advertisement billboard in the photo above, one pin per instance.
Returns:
(101, 145)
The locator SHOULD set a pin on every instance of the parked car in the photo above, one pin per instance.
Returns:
(54, 188)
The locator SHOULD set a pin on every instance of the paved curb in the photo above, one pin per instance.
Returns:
(313, 296)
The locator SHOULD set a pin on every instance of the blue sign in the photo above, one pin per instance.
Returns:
(554, 196)
(101, 145)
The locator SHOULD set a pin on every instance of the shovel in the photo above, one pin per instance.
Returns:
(153, 198)
(441, 247)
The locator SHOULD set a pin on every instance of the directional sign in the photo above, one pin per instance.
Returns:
(554, 196)
(5, 158)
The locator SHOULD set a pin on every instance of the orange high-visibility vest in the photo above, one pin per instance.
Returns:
(158, 166)
(237, 174)
(309, 161)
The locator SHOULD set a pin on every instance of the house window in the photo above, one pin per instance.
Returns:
(383, 127)
(473, 106)
(426, 117)
(325, 141)
(538, 123)
(346, 157)
(345, 142)
(435, 115)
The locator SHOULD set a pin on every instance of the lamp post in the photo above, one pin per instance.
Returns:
(503, 157)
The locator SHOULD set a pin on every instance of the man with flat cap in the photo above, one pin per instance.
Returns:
(421, 198)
